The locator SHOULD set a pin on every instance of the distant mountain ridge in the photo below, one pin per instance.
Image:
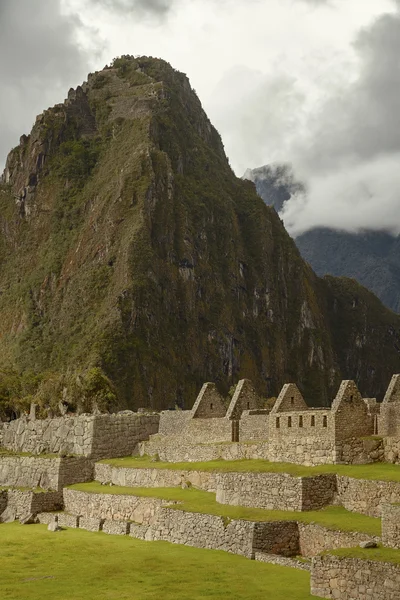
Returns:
(370, 257)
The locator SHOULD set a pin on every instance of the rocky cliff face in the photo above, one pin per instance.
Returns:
(127, 244)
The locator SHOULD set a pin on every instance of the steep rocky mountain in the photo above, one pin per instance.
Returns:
(370, 257)
(130, 251)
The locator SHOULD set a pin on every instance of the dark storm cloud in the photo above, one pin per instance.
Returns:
(39, 61)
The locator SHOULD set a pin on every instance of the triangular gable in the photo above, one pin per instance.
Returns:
(393, 391)
(244, 398)
(348, 394)
(289, 399)
(209, 403)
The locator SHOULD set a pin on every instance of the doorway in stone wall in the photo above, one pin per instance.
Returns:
(235, 431)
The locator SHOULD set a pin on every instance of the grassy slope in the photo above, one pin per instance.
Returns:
(38, 564)
(379, 554)
(334, 517)
(375, 471)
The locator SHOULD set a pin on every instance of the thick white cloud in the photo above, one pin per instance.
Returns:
(351, 152)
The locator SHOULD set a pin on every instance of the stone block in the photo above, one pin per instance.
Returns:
(116, 527)
(91, 524)
(66, 520)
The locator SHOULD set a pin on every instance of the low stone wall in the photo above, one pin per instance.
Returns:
(200, 531)
(172, 449)
(207, 431)
(360, 451)
(100, 436)
(302, 451)
(112, 507)
(154, 478)
(366, 496)
(391, 525)
(45, 473)
(19, 503)
(315, 539)
(276, 491)
(392, 449)
(354, 579)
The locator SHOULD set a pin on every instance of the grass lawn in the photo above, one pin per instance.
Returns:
(377, 471)
(193, 500)
(78, 565)
(380, 554)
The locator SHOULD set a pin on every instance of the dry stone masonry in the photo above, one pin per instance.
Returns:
(44, 458)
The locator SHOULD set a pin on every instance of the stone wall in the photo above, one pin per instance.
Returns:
(354, 579)
(200, 531)
(350, 413)
(206, 431)
(315, 539)
(112, 506)
(16, 504)
(360, 451)
(173, 449)
(366, 496)
(244, 398)
(275, 491)
(253, 425)
(391, 525)
(209, 403)
(45, 473)
(302, 451)
(173, 422)
(101, 436)
(392, 449)
(154, 478)
(276, 537)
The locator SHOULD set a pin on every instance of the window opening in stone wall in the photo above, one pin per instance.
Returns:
(248, 406)
(325, 421)
(277, 423)
(300, 421)
(292, 400)
(289, 422)
(351, 398)
(312, 421)
(211, 406)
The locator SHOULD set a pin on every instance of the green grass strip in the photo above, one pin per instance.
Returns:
(374, 471)
(198, 501)
(379, 554)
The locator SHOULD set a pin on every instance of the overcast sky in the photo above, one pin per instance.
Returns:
(314, 82)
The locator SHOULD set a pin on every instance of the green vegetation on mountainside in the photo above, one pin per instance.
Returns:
(374, 471)
(39, 564)
(135, 265)
(198, 501)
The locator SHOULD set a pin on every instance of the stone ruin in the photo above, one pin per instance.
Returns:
(46, 456)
